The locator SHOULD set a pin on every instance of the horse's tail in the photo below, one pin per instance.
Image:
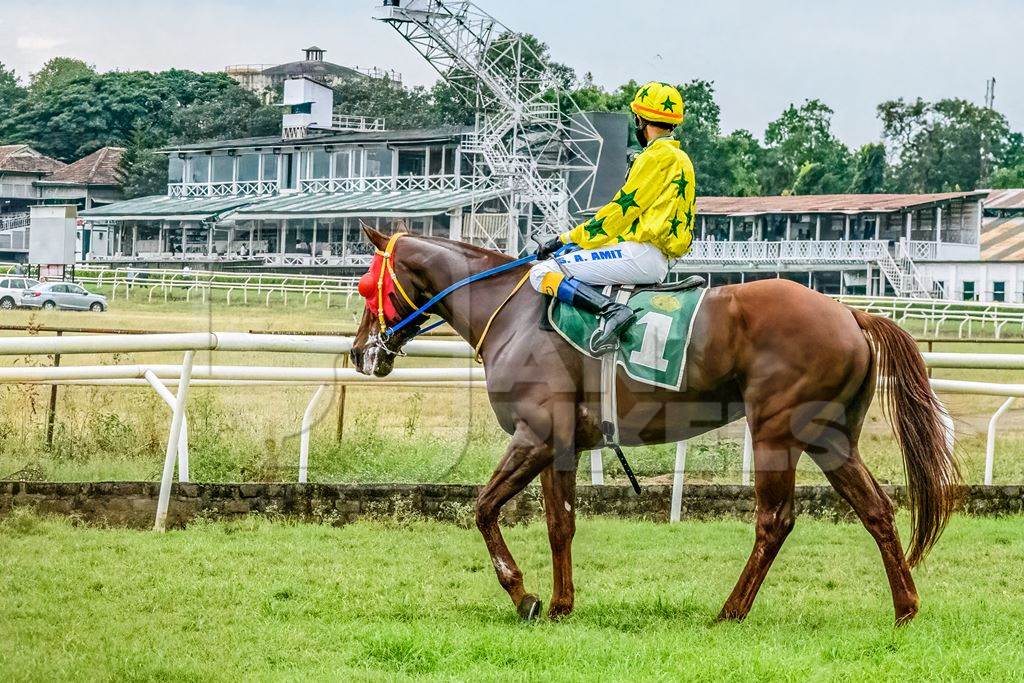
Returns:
(923, 429)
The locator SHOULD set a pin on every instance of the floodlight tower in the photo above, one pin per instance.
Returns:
(531, 139)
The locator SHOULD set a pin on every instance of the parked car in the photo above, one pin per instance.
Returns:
(63, 295)
(11, 289)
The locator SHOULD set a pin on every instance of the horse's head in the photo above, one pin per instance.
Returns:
(373, 350)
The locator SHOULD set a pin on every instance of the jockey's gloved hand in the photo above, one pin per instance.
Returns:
(547, 250)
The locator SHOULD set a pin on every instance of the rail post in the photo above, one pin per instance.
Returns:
(678, 479)
(341, 401)
(51, 412)
(596, 468)
(990, 439)
(307, 420)
(748, 455)
(177, 419)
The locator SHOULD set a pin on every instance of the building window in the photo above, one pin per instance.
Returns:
(941, 286)
(436, 160)
(269, 172)
(199, 169)
(412, 162)
(319, 164)
(999, 290)
(341, 163)
(248, 167)
(378, 162)
(223, 169)
(968, 288)
(357, 163)
(449, 161)
(175, 170)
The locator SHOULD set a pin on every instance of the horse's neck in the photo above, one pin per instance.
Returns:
(468, 308)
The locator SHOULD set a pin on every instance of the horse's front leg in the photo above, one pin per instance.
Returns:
(559, 486)
(526, 456)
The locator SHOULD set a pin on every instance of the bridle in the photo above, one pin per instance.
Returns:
(387, 266)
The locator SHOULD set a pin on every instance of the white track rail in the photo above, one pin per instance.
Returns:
(158, 376)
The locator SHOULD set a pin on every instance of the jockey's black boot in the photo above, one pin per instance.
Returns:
(615, 317)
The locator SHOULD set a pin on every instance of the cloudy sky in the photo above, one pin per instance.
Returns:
(762, 56)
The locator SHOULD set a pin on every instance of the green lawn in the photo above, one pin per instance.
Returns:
(396, 599)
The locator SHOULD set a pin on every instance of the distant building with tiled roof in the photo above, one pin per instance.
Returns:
(23, 160)
(258, 78)
(91, 181)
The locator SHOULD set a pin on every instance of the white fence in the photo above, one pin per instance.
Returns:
(941, 315)
(186, 374)
(239, 287)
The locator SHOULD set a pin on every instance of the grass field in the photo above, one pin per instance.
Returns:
(391, 600)
(390, 434)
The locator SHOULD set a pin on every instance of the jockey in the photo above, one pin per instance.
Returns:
(630, 240)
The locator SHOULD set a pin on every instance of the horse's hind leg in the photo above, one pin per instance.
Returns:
(774, 482)
(851, 479)
(559, 486)
(525, 458)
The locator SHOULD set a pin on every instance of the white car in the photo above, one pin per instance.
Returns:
(11, 289)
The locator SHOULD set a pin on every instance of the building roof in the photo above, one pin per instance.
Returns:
(397, 203)
(156, 207)
(1005, 199)
(291, 205)
(24, 159)
(407, 136)
(98, 168)
(1002, 239)
(313, 68)
(825, 203)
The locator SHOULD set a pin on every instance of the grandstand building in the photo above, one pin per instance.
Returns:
(263, 78)
(296, 201)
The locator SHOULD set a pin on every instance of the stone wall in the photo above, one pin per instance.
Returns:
(133, 504)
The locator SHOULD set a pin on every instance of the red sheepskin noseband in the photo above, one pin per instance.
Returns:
(378, 299)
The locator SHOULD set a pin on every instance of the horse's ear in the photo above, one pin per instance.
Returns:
(377, 239)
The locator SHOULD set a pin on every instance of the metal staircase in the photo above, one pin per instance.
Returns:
(530, 139)
(903, 275)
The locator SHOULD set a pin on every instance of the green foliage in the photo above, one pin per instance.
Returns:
(943, 146)
(59, 72)
(809, 159)
(869, 168)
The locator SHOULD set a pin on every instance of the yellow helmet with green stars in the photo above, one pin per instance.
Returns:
(660, 102)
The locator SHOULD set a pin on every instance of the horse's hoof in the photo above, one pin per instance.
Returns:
(556, 612)
(529, 608)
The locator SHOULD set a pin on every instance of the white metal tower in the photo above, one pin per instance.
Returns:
(531, 139)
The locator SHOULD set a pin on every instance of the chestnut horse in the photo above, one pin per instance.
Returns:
(796, 363)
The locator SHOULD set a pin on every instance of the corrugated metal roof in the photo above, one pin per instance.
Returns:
(824, 203)
(402, 202)
(1005, 199)
(407, 136)
(161, 206)
(292, 205)
(1002, 239)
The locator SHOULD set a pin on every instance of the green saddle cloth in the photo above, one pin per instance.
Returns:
(653, 350)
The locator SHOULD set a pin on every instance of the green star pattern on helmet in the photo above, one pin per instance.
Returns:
(673, 226)
(626, 200)
(642, 95)
(594, 228)
(681, 183)
(668, 104)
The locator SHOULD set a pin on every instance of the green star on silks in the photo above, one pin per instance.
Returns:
(673, 226)
(642, 95)
(668, 104)
(689, 217)
(625, 200)
(594, 228)
(632, 228)
(681, 183)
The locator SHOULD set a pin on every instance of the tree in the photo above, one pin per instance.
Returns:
(143, 170)
(59, 72)
(945, 145)
(401, 107)
(869, 169)
(803, 147)
(11, 93)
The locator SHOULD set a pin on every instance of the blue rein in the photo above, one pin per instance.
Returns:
(422, 310)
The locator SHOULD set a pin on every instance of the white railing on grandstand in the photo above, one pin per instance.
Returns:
(385, 184)
(787, 251)
(13, 221)
(238, 287)
(226, 189)
(184, 375)
(356, 123)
